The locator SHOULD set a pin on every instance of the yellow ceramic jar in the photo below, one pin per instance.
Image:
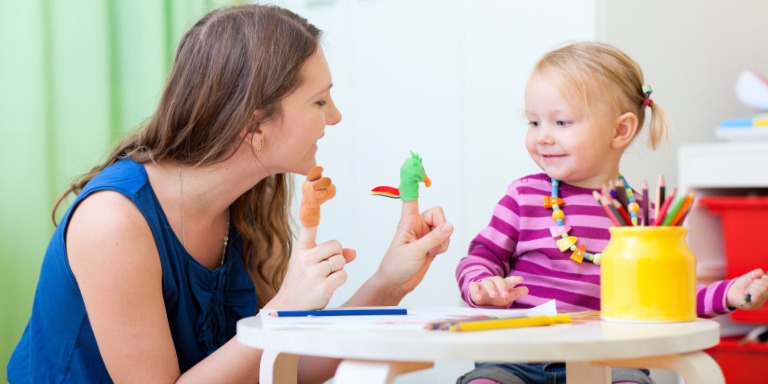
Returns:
(648, 274)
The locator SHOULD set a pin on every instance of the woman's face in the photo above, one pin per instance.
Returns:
(291, 139)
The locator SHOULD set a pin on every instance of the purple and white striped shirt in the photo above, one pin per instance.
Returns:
(518, 242)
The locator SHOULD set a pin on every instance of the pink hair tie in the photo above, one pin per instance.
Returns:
(647, 90)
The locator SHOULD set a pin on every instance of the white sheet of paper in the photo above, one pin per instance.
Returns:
(417, 318)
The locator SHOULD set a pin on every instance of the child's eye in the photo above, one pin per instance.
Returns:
(533, 123)
(563, 123)
(322, 103)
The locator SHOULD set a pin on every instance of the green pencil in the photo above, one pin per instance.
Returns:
(672, 212)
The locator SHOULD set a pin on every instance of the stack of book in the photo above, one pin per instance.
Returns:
(744, 129)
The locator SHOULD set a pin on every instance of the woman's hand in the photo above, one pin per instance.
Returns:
(418, 239)
(314, 273)
(754, 284)
(496, 291)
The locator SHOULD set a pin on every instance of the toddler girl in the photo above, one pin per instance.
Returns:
(585, 103)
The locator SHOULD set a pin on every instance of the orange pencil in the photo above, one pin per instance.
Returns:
(678, 219)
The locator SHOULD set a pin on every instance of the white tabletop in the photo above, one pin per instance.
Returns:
(580, 345)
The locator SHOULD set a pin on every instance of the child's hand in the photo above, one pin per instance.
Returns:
(754, 284)
(497, 291)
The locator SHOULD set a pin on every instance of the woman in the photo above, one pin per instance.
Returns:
(185, 228)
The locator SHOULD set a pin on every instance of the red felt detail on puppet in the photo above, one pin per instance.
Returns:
(385, 191)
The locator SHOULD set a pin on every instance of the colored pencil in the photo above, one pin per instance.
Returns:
(614, 205)
(673, 209)
(646, 204)
(660, 190)
(614, 212)
(682, 218)
(687, 203)
(664, 208)
(342, 312)
(623, 213)
(483, 325)
(445, 324)
(608, 212)
(622, 194)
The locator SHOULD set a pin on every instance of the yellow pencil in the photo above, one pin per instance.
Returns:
(482, 325)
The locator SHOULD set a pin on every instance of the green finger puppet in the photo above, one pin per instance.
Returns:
(411, 174)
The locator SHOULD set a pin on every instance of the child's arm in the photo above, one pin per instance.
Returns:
(754, 286)
(726, 296)
(490, 254)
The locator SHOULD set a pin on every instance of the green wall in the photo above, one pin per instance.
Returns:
(74, 75)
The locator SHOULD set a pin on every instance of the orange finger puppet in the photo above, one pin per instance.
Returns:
(315, 191)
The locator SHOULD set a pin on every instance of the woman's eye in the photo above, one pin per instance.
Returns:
(322, 103)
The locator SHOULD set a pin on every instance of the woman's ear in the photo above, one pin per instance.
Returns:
(252, 132)
(624, 130)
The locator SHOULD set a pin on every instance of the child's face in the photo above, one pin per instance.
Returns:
(565, 143)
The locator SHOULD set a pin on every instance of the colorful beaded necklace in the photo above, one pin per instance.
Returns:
(567, 242)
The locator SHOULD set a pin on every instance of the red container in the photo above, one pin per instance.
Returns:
(741, 364)
(744, 223)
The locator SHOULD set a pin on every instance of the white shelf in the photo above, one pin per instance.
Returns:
(735, 168)
(723, 165)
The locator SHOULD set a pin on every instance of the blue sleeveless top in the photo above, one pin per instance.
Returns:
(203, 305)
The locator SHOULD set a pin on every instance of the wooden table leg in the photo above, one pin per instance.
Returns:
(375, 372)
(278, 367)
(694, 367)
(578, 372)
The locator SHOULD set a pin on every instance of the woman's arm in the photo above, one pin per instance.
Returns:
(418, 239)
(116, 263)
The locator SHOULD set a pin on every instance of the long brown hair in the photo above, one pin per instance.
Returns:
(232, 62)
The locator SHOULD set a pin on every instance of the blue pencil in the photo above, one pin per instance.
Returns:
(342, 312)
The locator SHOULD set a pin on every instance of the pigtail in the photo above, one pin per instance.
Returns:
(658, 125)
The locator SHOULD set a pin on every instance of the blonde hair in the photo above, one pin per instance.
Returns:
(602, 76)
(232, 62)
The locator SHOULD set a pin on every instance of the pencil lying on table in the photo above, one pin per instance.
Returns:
(341, 312)
(445, 324)
(482, 325)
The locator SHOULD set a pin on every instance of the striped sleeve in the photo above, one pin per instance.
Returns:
(710, 299)
(491, 250)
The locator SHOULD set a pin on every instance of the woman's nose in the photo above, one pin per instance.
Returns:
(332, 114)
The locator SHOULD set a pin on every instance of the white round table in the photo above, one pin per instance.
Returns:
(588, 348)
